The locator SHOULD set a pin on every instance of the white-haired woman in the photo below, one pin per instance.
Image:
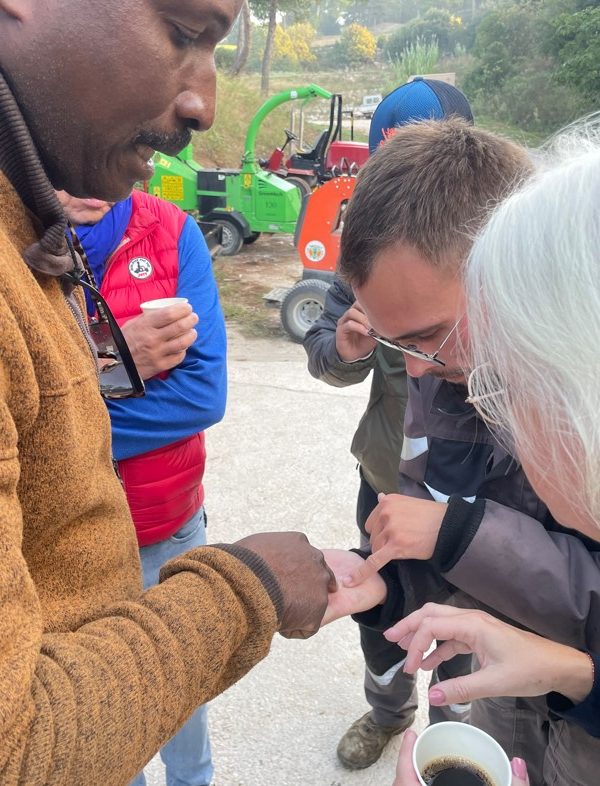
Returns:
(533, 283)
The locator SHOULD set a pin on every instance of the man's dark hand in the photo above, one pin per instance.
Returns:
(158, 340)
(303, 576)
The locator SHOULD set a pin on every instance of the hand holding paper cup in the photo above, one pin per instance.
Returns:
(160, 336)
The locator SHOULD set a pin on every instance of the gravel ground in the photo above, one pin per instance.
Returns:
(280, 461)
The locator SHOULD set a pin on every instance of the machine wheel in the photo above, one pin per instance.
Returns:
(233, 238)
(301, 184)
(302, 306)
(251, 238)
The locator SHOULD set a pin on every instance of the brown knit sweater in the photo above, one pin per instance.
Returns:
(94, 675)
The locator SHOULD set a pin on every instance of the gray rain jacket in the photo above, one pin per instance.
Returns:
(378, 439)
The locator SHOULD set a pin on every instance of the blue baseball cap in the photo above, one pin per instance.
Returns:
(421, 99)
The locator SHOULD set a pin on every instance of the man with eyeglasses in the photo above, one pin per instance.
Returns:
(465, 525)
(377, 442)
(95, 674)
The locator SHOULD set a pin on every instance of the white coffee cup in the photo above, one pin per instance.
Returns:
(163, 302)
(460, 740)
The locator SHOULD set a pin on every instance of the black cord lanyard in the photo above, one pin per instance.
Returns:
(76, 249)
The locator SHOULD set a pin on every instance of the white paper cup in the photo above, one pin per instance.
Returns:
(163, 302)
(463, 741)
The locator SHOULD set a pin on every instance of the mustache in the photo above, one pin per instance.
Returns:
(448, 374)
(168, 143)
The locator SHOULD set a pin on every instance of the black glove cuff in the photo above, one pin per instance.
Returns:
(459, 526)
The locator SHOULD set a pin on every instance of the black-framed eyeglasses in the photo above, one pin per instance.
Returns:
(119, 377)
(411, 349)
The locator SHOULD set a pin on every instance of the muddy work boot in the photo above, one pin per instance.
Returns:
(365, 740)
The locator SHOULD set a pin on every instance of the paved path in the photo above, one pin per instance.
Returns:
(280, 460)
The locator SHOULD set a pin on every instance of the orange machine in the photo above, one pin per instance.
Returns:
(317, 239)
(320, 225)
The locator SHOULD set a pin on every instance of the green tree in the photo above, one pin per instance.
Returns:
(243, 40)
(536, 63)
(506, 39)
(575, 42)
(376, 12)
(447, 29)
(268, 10)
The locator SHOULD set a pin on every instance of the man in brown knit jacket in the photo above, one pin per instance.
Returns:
(94, 674)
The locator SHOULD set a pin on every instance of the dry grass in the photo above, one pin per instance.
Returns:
(238, 101)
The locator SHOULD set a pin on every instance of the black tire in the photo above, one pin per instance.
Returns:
(233, 239)
(301, 184)
(251, 238)
(302, 306)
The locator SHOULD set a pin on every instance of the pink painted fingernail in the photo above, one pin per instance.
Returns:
(437, 697)
(519, 768)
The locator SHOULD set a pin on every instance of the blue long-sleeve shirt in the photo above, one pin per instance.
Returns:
(192, 398)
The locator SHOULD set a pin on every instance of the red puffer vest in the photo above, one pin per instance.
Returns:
(164, 487)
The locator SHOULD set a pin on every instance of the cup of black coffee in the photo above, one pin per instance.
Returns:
(457, 754)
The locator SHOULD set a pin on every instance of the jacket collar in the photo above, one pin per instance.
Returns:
(20, 162)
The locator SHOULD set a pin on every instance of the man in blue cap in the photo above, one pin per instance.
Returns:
(377, 444)
(421, 99)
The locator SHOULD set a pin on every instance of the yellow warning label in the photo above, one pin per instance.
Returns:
(247, 181)
(172, 188)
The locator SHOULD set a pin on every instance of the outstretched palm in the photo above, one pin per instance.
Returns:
(351, 600)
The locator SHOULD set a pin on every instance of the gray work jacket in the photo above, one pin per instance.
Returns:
(498, 547)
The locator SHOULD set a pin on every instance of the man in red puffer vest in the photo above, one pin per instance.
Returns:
(138, 250)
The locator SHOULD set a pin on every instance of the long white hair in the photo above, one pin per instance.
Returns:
(533, 305)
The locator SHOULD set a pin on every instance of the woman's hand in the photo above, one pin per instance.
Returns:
(405, 772)
(353, 600)
(513, 662)
(406, 776)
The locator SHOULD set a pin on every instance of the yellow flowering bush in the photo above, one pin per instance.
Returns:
(359, 45)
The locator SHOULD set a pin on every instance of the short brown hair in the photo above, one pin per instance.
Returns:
(431, 186)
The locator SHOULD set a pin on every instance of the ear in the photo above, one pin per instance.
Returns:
(16, 10)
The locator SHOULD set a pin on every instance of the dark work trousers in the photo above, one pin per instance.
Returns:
(391, 693)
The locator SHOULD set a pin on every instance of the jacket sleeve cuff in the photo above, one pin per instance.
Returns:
(585, 714)
(368, 357)
(259, 567)
(459, 526)
(382, 617)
